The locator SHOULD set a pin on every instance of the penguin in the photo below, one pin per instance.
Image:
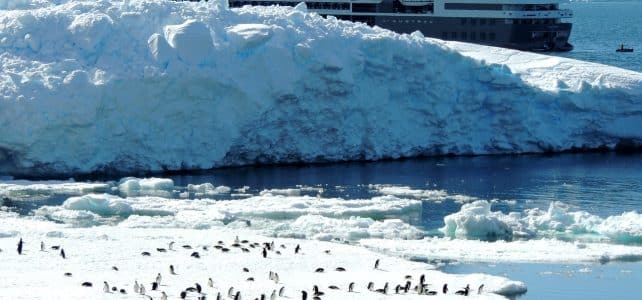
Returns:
(276, 278)
(163, 296)
(464, 291)
(304, 295)
(397, 288)
(142, 290)
(236, 240)
(55, 247)
(171, 246)
(87, 284)
(42, 246)
(384, 290)
(122, 291)
(246, 270)
(480, 289)
(210, 282)
(351, 287)
(162, 250)
(422, 279)
(230, 292)
(340, 269)
(431, 293)
(370, 285)
(198, 288)
(195, 255)
(316, 292)
(158, 279)
(154, 286)
(62, 253)
(319, 270)
(408, 277)
(114, 289)
(136, 287)
(237, 296)
(273, 296)
(183, 295)
(68, 274)
(105, 287)
(218, 296)
(264, 253)
(327, 251)
(281, 291)
(333, 287)
(187, 247)
(376, 265)
(114, 268)
(20, 247)
(250, 279)
(171, 270)
(407, 286)
(145, 253)
(297, 249)
(445, 288)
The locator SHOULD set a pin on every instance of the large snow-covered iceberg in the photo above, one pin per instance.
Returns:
(90, 86)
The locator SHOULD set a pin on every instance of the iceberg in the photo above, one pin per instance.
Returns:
(151, 85)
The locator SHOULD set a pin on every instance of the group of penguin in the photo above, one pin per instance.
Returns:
(420, 288)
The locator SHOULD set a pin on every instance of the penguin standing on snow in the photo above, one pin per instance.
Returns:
(210, 282)
(62, 253)
(304, 295)
(105, 287)
(158, 279)
(20, 247)
(42, 246)
(163, 296)
(171, 270)
(376, 266)
(445, 288)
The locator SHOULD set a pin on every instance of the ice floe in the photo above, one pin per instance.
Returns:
(476, 221)
(91, 254)
(533, 251)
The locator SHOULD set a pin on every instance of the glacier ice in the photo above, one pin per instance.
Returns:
(151, 85)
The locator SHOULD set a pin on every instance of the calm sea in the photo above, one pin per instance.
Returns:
(599, 27)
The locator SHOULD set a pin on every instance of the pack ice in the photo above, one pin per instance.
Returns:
(151, 85)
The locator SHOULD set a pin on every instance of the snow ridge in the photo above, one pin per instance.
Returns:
(151, 85)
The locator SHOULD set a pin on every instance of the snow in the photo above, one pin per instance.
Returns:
(526, 251)
(92, 252)
(152, 85)
(476, 221)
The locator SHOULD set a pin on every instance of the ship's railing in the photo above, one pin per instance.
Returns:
(416, 2)
(510, 14)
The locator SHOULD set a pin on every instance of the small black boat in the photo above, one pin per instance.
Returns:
(622, 49)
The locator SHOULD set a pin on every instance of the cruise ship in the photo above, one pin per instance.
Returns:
(531, 25)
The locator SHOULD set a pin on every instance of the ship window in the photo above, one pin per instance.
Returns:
(482, 21)
(464, 36)
(482, 36)
(444, 35)
(491, 36)
(472, 6)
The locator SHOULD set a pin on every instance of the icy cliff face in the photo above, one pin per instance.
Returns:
(160, 85)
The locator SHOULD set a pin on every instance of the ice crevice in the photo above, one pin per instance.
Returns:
(200, 86)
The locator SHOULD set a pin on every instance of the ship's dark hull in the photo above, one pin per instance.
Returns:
(492, 32)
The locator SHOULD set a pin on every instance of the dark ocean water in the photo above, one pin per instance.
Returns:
(599, 27)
